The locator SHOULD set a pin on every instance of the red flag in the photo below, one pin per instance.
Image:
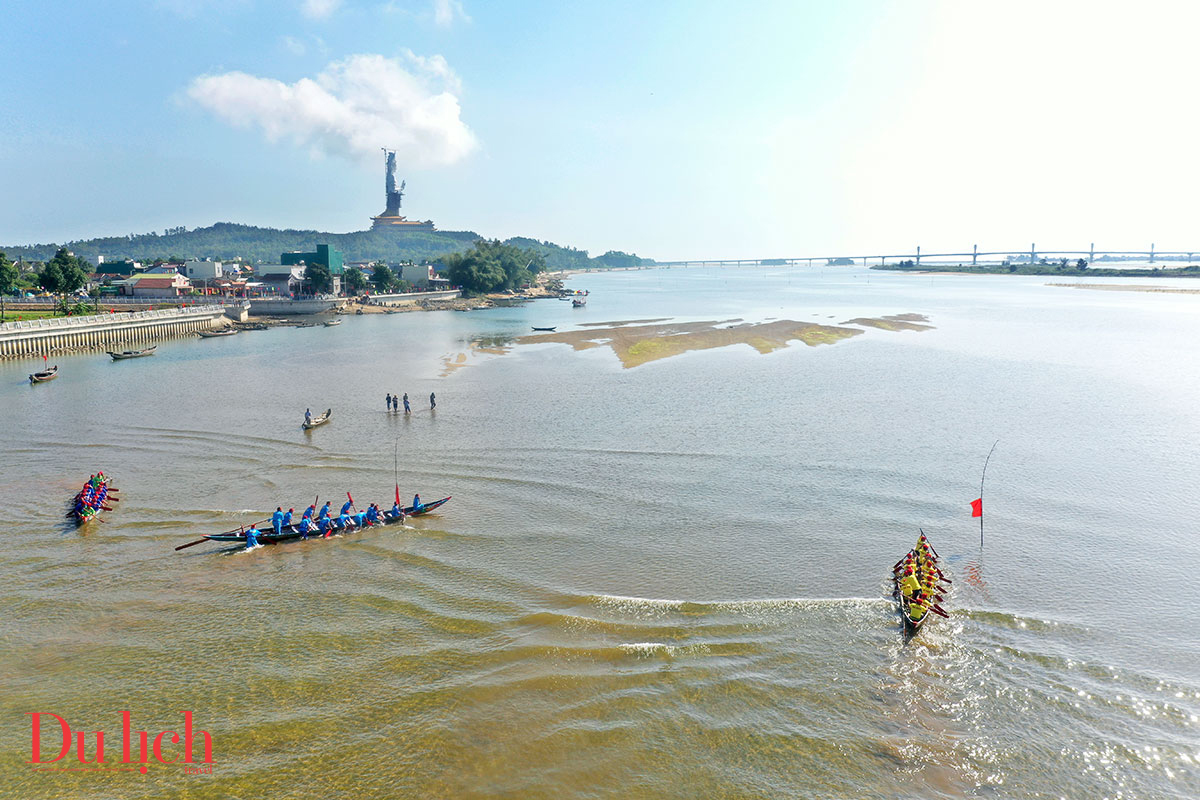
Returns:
(351, 499)
(397, 494)
(977, 508)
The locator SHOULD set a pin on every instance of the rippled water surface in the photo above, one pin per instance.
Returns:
(661, 582)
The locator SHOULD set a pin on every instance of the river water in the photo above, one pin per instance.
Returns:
(668, 581)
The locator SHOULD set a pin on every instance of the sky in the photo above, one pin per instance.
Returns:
(676, 130)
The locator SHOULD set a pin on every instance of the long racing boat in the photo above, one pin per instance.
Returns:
(923, 590)
(268, 536)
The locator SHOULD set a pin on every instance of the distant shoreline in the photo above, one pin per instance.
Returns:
(1051, 270)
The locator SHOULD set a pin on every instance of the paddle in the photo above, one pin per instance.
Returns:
(938, 610)
(189, 544)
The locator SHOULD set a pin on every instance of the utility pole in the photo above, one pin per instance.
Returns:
(1152, 252)
(1033, 253)
(1091, 252)
(974, 254)
(918, 255)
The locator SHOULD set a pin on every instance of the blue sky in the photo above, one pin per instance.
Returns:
(673, 129)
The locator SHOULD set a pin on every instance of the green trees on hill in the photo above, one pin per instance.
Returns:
(227, 241)
(8, 280)
(65, 273)
(318, 278)
(384, 279)
(492, 266)
(353, 280)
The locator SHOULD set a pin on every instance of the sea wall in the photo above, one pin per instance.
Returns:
(107, 331)
(412, 298)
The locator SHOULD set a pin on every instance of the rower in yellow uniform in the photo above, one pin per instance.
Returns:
(916, 607)
(909, 585)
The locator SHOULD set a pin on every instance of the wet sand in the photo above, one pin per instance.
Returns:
(642, 344)
(896, 322)
(1121, 287)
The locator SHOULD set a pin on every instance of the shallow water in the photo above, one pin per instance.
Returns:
(665, 581)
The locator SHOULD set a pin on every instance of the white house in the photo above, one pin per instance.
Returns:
(197, 271)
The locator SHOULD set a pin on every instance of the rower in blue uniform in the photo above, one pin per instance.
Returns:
(417, 504)
(277, 520)
(346, 507)
(373, 514)
(324, 526)
(325, 509)
(251, 537)
(344, 521)
(308, 512)
(287, 517)
(306, 525)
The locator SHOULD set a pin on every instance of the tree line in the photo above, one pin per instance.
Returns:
(229, 241)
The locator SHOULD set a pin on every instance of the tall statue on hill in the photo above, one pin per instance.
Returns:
(395, 197)
(390, 219)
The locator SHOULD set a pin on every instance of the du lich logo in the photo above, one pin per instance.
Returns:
(95, 752)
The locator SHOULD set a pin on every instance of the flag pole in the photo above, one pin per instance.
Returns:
(981, 477)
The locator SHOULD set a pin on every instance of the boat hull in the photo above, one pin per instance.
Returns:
(149, 351)
(318, 421)
(292, 532)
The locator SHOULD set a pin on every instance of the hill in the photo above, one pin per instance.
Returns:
(228, 240)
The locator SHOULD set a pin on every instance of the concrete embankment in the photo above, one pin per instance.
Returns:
(105, 331)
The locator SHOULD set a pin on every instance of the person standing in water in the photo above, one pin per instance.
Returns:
(432, 401)
(388, 400)
(407, 408)
(307, 416)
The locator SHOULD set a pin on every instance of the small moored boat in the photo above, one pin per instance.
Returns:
(147, 351)
(308, 425)
(579, 302)
(547, 330)
(212, 334)
(44, 375)
(329, 323)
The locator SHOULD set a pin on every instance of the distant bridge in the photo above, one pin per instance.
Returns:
(975, 254)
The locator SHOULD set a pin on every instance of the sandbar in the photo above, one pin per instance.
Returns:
(642, 344)
(1124, 287)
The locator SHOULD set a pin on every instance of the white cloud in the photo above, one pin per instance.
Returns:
(294, 45)
(319, 9)
(351, 109)
(445, 12)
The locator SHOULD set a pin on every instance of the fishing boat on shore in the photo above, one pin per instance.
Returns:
(916, 580)
(546, 330)
(91, 499)
(124, 354)
(329, 323)
(308, 425)
(44, 375)
(292, 532)
(213, 334)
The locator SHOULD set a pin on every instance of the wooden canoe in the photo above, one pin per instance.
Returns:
(212, 334)
(320, 420)
(148, 351)
(44, 375)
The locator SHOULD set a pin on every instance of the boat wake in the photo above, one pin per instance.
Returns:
(660, 605)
